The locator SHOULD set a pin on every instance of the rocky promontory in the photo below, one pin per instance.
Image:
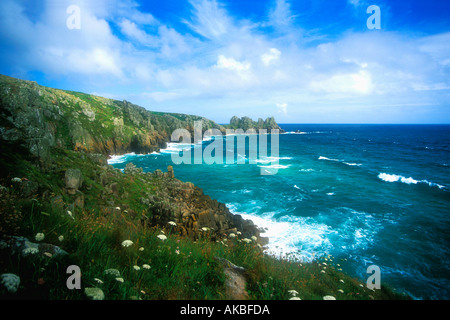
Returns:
(46, 127)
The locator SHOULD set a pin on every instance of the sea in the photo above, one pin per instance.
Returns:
(364, 194)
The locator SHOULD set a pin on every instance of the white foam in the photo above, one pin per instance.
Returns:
(295, 237)
(173, 147)
(276, 166)
(353, 164)
(325, 158)
(397, 178)
(341, 161)
(115, 159)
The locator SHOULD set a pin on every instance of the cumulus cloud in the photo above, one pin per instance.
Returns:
(217, 58)
(282, 108)
(273, 55)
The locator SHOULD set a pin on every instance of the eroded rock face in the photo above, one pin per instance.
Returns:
(74, 180)
(190, 208)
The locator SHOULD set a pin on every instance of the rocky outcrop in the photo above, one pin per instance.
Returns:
(246, 123)
(194, 212)
(43, 120)
(40, 119)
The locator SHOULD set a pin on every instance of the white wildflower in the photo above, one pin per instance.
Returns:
(127, 243)
(141, 249)
(94, 293)
(98, 280)
(172, 223)
(205, 229)
(10, 281)
(61, 238)
(322, 271)
(162, 237)
(48, 254)
(177, 251)
(31, 250)
(137, 268)
(295, 298)
(113, 272)
(70, 214)
(146, 266)
(293, 292)
(118, 208)
(246, 240)
(329, 298)
(341, 281)
(119, 279)
(254, 238)
(238, 233)
(16, 179)
(232, 235)
(39, 236)
(341, 291)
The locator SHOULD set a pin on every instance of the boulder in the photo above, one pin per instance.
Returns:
(170, 172)
(74, 180)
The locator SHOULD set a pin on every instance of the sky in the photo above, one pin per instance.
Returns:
(301, 61)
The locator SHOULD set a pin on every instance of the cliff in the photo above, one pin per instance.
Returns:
(132, 234)
(40, 118)
(246, 123)
(53, 126)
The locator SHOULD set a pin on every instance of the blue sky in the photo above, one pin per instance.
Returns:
(301, 61)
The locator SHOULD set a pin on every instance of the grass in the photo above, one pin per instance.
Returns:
(177, 268)
(174, 268)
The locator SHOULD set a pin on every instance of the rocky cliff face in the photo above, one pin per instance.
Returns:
(41, 118)
(67, 135)
(246, 123)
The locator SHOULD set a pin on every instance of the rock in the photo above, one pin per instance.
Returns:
(236, 282)
(170, 172)
(98, 158)
(74, 180)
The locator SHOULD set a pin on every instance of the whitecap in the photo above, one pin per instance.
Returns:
(325, 158)
(353, 164)
(398, 178)
(115, 159)
(292, 237)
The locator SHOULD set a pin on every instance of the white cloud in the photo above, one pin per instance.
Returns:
(209, 19)
(273, 55)
(282, 108)
(221, 60)
(231, 64)
(281, 15)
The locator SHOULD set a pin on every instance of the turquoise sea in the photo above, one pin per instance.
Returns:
(365, 194)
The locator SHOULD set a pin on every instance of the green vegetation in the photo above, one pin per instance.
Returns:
(158, 237)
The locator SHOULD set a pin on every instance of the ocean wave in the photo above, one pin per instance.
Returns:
(272, 159)
(173, 147)
(397, 178)
(340, 161)
(293, 237)
(116, 159)
(276, 166)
